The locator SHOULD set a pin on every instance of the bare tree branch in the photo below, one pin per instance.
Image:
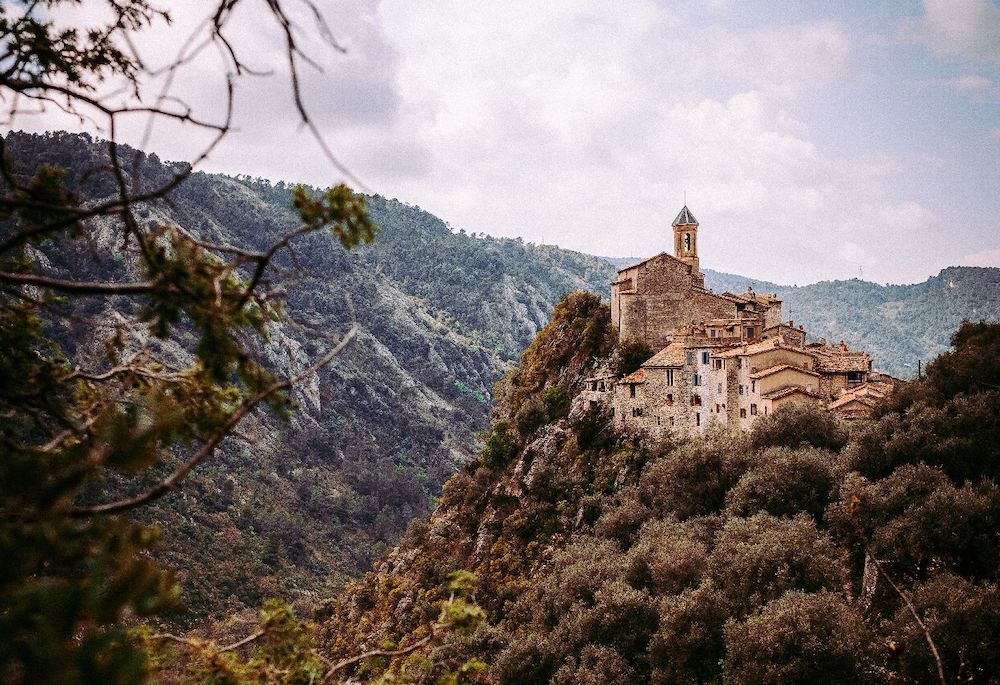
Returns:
(174, 480)
(78, 287)
(916, 617)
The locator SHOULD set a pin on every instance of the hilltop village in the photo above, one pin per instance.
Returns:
(719, 358)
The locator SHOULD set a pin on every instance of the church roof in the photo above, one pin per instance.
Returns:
(685, 217)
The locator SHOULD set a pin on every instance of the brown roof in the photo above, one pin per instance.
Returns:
(635, 378)
(649, 259)
(763, 373)
(832, 359)
(760, 347)
(671, 355)
(785, 392)
(851, 397)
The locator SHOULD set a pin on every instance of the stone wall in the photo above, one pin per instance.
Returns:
(662, 299)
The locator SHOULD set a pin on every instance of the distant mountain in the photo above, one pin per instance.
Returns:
(294, 510)
(897, 324)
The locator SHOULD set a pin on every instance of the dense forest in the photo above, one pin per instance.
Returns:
(805, 551)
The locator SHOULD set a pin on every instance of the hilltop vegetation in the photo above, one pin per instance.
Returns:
(797, 553)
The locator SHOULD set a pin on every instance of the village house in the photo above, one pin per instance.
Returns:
(720, 359)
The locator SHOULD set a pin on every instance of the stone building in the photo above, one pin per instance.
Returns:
(721, 359)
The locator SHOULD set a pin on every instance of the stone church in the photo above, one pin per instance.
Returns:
(720, 358)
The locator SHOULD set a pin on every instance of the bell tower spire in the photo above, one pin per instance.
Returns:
(686, 239)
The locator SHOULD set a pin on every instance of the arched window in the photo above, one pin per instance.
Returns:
(687, 242)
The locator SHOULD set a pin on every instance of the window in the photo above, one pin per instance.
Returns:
(612, 412)
(753, 386)
(704, 357)
(697, 418)
(855, 377)
(657, 420)
(671, 421)
(741, 389)
(749, 331)
(689, 358)
(637, 411)
(687, 242)
(696, 379)
(720, 389)
(717, 408)
(718, 364)
(695, 400)
(743, 412)
(670, 398)
(711, 333)
(765, 410)
(631, 391)
(670, 377)
(753, 410)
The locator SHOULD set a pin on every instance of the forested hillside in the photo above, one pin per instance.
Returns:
(799, 553)
(300, 508)
(294, 509)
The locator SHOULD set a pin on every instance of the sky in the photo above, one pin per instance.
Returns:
(812, 140)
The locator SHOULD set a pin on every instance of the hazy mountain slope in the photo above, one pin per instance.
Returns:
(293, 510)
(896, 324)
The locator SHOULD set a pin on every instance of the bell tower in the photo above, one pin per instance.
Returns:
(686, 239)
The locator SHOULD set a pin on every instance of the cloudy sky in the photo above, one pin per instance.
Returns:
(813, 140)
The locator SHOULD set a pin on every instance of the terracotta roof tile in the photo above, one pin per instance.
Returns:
(785, 392)
(672, 355)
(763, 373)
(635, 378)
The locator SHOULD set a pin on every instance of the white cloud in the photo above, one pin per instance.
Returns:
(989, 257)
(963, 27)
(783, 60)
(904, 217)
(972, 83)
(853, 253)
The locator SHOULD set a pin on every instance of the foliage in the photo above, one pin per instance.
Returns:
(798, 638)
(499, 446)
(728, 558)
(797, 423)
(90, 435)
(629, 355)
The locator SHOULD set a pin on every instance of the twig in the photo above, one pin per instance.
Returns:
(247, 640)
(341, 665)
(916, 617)
(79, 287)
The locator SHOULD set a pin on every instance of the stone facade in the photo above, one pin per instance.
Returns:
(721, 359)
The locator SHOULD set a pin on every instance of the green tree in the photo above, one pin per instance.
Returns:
(75, 567)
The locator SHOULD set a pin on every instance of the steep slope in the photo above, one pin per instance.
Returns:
(731, 558)
(295, 509)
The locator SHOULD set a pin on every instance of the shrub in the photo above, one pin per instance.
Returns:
(796, 424)
(629, 356)
(799, 638)
(785, 482)
(500, 448)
